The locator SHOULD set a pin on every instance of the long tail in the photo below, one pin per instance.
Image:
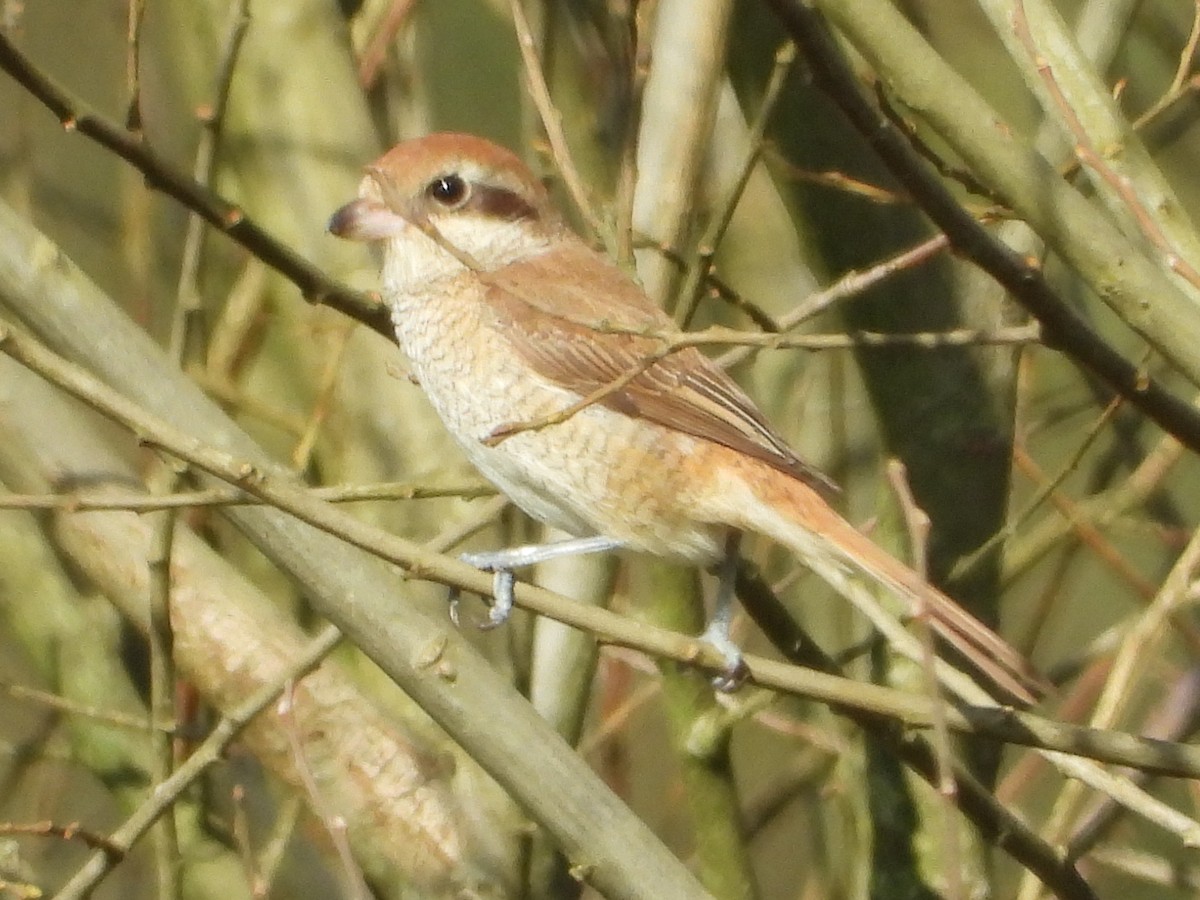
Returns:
(792, 513)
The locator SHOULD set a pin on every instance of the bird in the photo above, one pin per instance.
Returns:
(553, 371)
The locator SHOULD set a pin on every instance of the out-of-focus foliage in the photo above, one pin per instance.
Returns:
(1092, 504)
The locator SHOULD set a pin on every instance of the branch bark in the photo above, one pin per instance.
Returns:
(1119, 273)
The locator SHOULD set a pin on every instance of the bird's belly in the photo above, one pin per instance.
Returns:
(599, 473)
(596, 472)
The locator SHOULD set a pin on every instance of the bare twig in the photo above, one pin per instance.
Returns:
(638, 17)
(599, 395)
(848, 285)
(1101, 509)
(72, 832)
(133, 58)
(70, 707)
(226, 217)
(834, 179)
(212, 118)
(914, 711)
(968, 563)
(1087, 531)
(1063, 328)
(1188, 53)
(323, 402)
(335, 825)
(370, 61)
(208, 753)
(84, 500)
(551, 120)
(700, 266)
(918, 525)
(953, 173)
(162, 689)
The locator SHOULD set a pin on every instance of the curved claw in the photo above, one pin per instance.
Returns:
(732, 678)
(503, 581)
(736, 672)
(502, 605)
(502, 563)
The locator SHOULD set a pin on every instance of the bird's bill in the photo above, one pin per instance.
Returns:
(366, 219)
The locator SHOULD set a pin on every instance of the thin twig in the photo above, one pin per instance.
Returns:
(212, 117)
(832, 178)
(71, 832)
(1100, 509)
(133, 58)
(719, 335)
(209, 752)
(706, 248)
(322, 406)
(335, 825)
(162, 688)
(226, 217)
(913, 711)
(370, 61)
(86, 501)
(968, 563)
(918, 525)
(508, 429)
(551, 119)
(1087, 532)
(638, 17)
(70, 707)
(947, 171)
(241, 837)
(1188, 53)
(850, 284)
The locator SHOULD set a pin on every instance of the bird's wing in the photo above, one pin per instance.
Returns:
(584, 328)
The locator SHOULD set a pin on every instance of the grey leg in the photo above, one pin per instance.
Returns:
(503, 562)
(717, 632)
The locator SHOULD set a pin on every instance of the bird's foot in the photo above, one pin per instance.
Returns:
(503, 563)
(503, 580)
(735, 673)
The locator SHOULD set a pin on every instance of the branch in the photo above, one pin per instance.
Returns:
(81, 499)
(914, 711)
(1062, 217)
(229, 219)
(428, 660)
(996, 822)
(1076, 99)
(163, 797)
(552, 119)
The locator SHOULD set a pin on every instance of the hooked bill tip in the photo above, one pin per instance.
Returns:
(341, 223)
(365, 220)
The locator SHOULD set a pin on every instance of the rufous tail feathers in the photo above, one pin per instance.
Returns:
(793, 514)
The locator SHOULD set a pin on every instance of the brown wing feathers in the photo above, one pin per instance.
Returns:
(684, 390)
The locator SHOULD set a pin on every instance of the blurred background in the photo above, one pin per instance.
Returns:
(1057, 512)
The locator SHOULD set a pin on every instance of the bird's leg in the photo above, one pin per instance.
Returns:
(503, 562)
(717, 632)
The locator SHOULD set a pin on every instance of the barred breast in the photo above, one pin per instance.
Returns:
(596, 472)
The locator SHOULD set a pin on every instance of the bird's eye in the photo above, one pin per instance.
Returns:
(448, 190)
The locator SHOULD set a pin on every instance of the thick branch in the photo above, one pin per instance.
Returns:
(1121, 276)
(226, 217)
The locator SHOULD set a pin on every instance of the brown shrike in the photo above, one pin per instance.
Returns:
(509, 320)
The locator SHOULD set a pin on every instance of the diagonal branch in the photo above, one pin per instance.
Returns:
(1063, 329)
(226, 217)
(263, 481)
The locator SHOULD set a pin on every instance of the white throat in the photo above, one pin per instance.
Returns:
(413, 260)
